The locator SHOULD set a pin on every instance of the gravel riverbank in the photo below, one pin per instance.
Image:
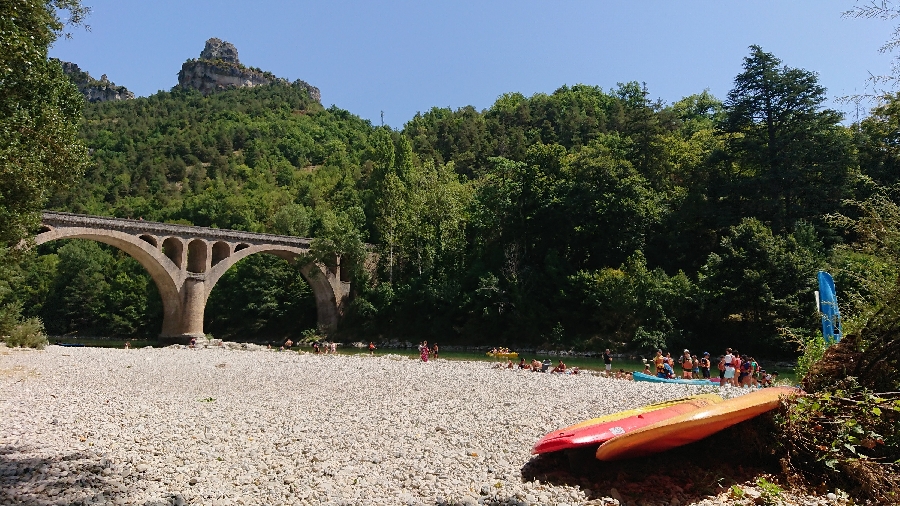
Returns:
(230, 427)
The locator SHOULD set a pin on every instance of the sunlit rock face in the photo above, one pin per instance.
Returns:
(218, 49)
(219, 68)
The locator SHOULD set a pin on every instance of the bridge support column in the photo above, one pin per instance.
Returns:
(185, 319)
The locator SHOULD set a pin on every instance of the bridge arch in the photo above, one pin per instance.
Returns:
(325, 283)
(186, 262)
(160, 267)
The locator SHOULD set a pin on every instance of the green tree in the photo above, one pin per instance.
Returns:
(292, 219)
(78, 296)
(787, 157)
(39, 114)
(632, 305)
(757, 282)
(879, 142)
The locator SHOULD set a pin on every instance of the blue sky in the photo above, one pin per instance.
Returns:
(403, 56)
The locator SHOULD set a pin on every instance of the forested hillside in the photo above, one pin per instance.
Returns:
(582, 219)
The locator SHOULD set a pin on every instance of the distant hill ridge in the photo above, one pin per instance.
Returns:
(217, 69)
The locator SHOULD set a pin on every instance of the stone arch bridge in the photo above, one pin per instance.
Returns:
(185, 262)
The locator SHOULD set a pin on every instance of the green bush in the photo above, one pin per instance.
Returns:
(28, 334)
(812, 348)
(10, 315)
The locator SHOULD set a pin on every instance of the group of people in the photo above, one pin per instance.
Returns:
(500, 351)
(691, 366)
(743, 371)
(425, 352)
(733, 369)
(537, 366)
(324, 347)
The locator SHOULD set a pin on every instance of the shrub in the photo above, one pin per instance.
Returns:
(846, 430)
(10, 315)
(28, 334)
(811, 347)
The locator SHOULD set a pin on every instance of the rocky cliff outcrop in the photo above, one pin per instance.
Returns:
(219, 68)
(94, 90)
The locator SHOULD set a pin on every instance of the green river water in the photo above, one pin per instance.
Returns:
(587, 363)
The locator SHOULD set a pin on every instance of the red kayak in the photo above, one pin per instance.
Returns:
(599, 430)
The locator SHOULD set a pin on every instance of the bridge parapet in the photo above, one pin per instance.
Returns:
(138, 227)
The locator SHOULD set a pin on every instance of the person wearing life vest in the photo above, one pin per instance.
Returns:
(668, 371)
(658, 361)
(704, 365)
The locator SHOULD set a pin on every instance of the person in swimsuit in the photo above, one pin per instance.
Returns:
(560, 368)
(434, 351)
(424, 351)
(746, 372)
(607, 362)
(754, 372)
(371, 348)
(687, 364)
(696, 371)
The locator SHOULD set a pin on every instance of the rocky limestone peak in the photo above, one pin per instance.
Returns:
(93, 90)
(219, 68)
(218, 49)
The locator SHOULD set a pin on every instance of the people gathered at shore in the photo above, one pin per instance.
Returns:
(734, 369)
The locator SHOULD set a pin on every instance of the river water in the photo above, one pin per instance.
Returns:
(587, 363)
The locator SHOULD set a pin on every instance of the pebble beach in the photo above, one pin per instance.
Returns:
(216, 426)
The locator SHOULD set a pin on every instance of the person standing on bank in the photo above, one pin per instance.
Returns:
(704, 365)
(687, 364)
(607, 361)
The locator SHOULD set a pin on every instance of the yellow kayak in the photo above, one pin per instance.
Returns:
(511, 354)
(694, 426)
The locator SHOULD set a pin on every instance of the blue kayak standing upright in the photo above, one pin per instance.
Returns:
(828, 307)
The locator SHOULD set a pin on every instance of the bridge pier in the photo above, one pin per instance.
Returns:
(185, 318)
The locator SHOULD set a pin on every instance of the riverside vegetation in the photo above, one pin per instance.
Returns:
(580, 219)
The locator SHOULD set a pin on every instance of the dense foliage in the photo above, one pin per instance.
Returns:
(40, 151)
(580, 219)
(39, 115)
